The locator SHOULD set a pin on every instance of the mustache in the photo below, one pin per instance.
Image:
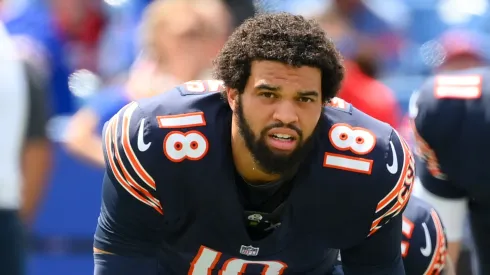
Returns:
(283, 125)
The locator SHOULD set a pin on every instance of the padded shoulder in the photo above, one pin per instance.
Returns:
(445, 111)
(373, 158)
(424, 244)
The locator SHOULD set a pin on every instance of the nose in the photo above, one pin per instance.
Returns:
(285, 112)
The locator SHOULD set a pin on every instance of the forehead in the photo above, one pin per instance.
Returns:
(280, 74)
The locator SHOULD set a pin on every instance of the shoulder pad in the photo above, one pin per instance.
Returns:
(452, 87)
(201, 86)
(440, 108)
(339, 104)
(186, 118)
(374, 154)
(447, 92)
(423, 244)
(193, 97)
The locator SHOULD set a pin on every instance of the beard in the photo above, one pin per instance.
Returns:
(269, 161)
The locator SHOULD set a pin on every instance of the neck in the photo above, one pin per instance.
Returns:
(244, 161)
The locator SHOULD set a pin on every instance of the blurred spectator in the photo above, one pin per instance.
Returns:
(351, 25)
(25, 152)
(119, 36)
(462, 50)
(240, 10)
(179, 40)
(14, 97)
(37, 151)
(368, 94)
(64, 35)
(182, 36)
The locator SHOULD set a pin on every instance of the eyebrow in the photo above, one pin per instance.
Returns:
(272, 88)
(267, 87)
(309, 93)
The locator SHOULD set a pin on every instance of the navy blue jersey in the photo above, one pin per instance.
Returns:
(170, 198)
(452, 127)
(424, 246)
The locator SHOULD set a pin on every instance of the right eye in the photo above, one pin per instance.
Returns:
(268, 95)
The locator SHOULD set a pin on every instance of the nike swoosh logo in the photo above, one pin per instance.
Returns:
(142, 146)
(393, 168)
(427, 250)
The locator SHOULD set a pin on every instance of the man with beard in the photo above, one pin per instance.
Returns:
(270, 180)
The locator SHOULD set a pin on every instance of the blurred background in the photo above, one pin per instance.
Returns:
(85, 59)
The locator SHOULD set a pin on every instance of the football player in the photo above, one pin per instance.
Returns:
(254, 174)
(424, 247)
(451, 121)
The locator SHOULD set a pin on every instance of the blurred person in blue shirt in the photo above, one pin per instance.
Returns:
(179, 40)
(64, 34)
(122, 27)
(354, 26)
(118, 38)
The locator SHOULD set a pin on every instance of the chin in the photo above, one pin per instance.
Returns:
(281, 153)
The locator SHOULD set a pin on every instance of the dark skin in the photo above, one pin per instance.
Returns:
(282, 93)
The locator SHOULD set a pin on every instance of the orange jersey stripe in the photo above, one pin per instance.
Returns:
(398, 193)
(396, 190)
(125, 172)
(113, 167)
(128, 150)
(439, 257)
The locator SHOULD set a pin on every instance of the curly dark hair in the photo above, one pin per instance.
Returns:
(283, 37)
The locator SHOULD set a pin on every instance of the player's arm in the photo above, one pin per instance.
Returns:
(380, 252)
(81, 137)
(129, 227)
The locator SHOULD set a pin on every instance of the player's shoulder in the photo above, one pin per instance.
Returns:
(376, 159)
(445, 94)
(194, 107)
(459, 84)
(339, 111)
(197, 96)
(443, 106)
(424, 244)
(354, 134)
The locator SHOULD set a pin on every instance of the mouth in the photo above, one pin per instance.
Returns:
(282, 142)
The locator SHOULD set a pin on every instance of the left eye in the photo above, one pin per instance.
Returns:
(305, 99)
(267, 95)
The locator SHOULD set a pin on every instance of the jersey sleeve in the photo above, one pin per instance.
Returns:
(130, 221)
(423, 245)
(380, 252)
(396, 177)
